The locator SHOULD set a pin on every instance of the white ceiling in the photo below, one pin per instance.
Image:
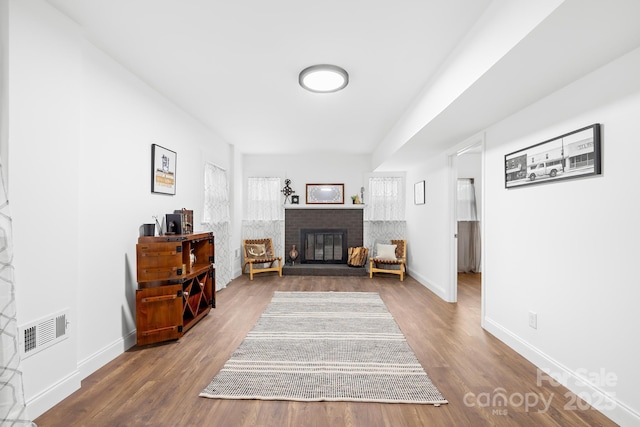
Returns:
(234, 64)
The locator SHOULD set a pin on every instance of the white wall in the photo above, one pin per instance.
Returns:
(428, 230)
(311, 168)
(43, 187)
(80, 135)
(4, 86)
(567, 250)
(564, 250)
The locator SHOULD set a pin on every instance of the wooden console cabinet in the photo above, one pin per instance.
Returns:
(172, 294)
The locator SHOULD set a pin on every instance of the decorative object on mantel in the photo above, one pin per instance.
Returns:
(293, 254)
(325, 194)
(295, 200)
(163, 170)
(287, 190)
(572, 155)
(356, 200)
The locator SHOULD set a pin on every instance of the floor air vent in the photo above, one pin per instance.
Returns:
(38, 335)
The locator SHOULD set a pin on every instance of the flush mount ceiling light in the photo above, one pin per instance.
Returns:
(323, 78)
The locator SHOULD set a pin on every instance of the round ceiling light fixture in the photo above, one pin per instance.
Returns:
(323, 78)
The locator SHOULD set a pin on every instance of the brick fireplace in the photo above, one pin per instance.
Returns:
(327, 223)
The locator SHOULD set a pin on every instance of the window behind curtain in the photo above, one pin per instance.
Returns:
(264, 199)
(216, 219)
(466, 200)
(216, 195)
(386, 199)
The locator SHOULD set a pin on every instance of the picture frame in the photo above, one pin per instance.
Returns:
(418, 193)
(163, 170)
(576, 154)
(332, 194)
(295, 199)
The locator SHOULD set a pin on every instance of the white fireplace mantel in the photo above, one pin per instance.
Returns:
(325, 206)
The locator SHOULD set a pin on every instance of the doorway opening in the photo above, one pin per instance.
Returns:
(467, 172)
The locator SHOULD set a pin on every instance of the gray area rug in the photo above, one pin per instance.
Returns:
(325, 346)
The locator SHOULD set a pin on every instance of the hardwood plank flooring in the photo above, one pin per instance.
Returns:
(159, 385)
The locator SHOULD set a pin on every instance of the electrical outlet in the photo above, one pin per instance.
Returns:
(237, 253)
(533, 320)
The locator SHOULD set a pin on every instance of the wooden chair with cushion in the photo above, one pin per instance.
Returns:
(259, 256)
(389, 258)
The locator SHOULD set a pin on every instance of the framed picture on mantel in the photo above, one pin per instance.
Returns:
(332, 194)
(163, 170)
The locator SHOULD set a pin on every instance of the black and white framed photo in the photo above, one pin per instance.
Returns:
(572, 155)
(163, 170)
(418, 193)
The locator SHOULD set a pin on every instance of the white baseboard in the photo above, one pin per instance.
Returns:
(572, 380)
(57, 392)
(438, 290)
(52, 395)
(101, 357)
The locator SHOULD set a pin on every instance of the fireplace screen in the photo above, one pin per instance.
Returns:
(325, 246)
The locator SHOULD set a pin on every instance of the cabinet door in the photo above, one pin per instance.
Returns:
(159, 261)
(159, 314)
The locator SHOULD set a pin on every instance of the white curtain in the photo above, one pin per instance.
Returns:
(264, 201)
(468, 228)
(216, 219)
(13, 411)
(385, 200)
(265, 212)
(384, 212)
(466, 200)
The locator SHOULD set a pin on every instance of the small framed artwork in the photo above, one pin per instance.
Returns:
(295, 199)
(163, 170)
(572, 155)
(325, 194)
(418, 193)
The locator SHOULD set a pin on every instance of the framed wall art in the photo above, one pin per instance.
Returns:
(163, 170)
(572, 155)
(325, 194)
(418, 193)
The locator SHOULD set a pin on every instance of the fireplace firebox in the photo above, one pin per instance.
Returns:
(324, 246)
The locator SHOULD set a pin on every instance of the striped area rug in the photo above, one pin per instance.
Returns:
(325, 346)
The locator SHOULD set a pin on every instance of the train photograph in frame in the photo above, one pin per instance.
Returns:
(572, 155)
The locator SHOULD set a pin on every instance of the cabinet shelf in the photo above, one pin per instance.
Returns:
(172, 294)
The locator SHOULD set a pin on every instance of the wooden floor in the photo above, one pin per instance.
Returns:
(159, 385)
